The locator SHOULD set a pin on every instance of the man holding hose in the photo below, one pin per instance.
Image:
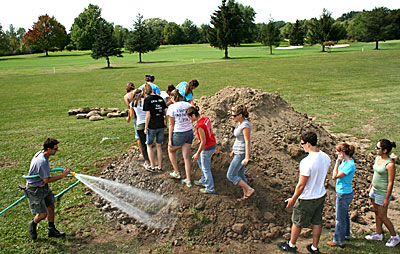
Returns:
(40, 197)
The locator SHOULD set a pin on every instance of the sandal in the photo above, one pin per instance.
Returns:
(245, 197)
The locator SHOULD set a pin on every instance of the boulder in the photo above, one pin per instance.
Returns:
(238, 228)
(96, 118)
(113, 114)
(92, 113)
(81, 116)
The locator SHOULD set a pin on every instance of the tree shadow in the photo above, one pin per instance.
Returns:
(118, 68)
(64, 55)
(242, 57)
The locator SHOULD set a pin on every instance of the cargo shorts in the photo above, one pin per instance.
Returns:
(39, 198)
(306, 211)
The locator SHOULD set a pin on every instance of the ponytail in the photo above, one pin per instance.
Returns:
(137, 97)
(192, 84)
(176, 95)
(147, 89)
(193, 110)
(387, 145)
(347, 149)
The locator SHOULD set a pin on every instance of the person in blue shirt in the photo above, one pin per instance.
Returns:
(149, 80)
(343, 173)
(186, 90)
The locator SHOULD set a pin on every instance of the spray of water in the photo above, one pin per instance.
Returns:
(147, 207)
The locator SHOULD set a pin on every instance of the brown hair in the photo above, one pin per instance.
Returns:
(50, 143)
(147, 89)
(192, 84)
(137, 98)
(241, 109)
(347, 149)
(171, 88)
(309, 137)
(387, 145)
(193, 110)
(130, 86)
(176, 95)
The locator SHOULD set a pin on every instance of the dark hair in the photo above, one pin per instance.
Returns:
(347, 149)
(241, 109)
(193, 110)
(176, 95)
(130, 86)
(171, 88)
(147, 89)
(50, 143)
(309, 137)
(192, 84)
(387, 145)
(137, 98)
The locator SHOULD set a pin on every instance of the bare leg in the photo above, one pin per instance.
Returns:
(378, 221)
(294, 234)
(140, 146)
(172, 157)
(186, 158)
(159, 155)
(247, 190)
(316, 231)
(151, 155)
(39, 217)
(382, 214)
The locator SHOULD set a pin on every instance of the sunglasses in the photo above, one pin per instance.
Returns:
(303, 143)
(378, 148)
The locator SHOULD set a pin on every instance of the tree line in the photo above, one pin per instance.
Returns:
(230, 25)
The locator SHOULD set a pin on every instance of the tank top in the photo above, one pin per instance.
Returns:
(380, 181)
(205, 123)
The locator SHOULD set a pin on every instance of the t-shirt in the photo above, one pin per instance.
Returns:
(239, 147)
(315, 165)
(178, 111)
(39, 166)
(205, 124)
(344, 185)
(182, 90)
(156, 105)
(140, 113)
(154, 87)
(164, 95)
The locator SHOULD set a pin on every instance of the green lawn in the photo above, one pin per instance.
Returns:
(350, 90)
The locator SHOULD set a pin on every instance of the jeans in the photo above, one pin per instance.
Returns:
(142, 138)
(204, 162)
(236, 169)
(181, 138)
(158, 134)
(342, 227)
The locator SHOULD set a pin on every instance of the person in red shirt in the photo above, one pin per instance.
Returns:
(206, 149)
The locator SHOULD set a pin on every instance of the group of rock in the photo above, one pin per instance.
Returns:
(96, 113)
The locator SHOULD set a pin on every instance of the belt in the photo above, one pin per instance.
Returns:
(36, 186)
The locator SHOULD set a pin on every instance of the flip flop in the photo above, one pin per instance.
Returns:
(245, 197)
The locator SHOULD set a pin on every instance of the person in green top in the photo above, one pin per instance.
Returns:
(380, 191)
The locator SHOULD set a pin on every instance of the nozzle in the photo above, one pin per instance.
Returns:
(73, 174)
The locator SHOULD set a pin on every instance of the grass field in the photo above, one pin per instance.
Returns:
(352, 90)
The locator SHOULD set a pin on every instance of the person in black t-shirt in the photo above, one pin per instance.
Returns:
(155, 108)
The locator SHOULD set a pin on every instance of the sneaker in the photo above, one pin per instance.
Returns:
(174, 175)
(284, 246)
(333, 244)
(198, 183)
(393, 241)
(203, 190)
(158, 169)
(32, 230)
(150, 169)
(53, 232)
(188, 184)
(374, 236)
(311, 250)
(146, 166)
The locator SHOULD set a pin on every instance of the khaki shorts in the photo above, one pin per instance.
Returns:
(39, 198)
(306, 211)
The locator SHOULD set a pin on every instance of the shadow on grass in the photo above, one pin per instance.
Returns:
(118, 68)
(242, 57)
(65, 55)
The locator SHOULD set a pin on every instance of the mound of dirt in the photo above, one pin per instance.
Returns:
(273, 172)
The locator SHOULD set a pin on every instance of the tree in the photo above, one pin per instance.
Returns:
(323, 30)
(3, 42)
(249, 27)
(355, 28)
(190, 31)
(270, 35)
(173, 33)
(395, 17)
(157, 25)
(46, 34)
(204, 30)
(296, 36)
(120, 34)
(105, 44)
(286, 30)
(376, 25)
(141, 39)
(227, 27)
(86, 26)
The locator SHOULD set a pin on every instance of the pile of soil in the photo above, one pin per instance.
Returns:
(273, 172)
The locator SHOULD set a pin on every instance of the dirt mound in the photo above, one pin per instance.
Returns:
(273, 173)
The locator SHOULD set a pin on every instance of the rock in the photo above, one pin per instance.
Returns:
(96, 118)
(238, 228)
(269, 216)
(306, 232)
(81, 116)
(104, 112)
(92, 113)
(361, 220)
(124, 113)
(354, 216)
(113, 114)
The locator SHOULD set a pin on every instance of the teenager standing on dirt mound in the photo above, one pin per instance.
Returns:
(309, 197)
(206, 149)
(180, 134)
(241, 152)
(343, 173)
(155, 108)
(380, 191)
(130, 90)
(186, 90)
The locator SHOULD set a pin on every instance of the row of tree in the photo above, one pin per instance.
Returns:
(230, 25)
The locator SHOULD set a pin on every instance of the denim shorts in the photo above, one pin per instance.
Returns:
(181, 138)
(39, 198)
(158, 134)
(378, 199)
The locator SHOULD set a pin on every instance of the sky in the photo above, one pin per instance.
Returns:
(23, 13)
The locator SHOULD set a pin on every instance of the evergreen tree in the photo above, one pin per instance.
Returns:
(190, 31)
(105, 44)
(376, 25)
(157, 25)
(120, 34)
(173, 33)
(3, 42)
(141, 39)
(249, 27)
(227, 26)
(270, 35)
(297, 34)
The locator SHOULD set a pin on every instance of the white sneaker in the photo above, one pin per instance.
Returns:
(393, 241)
(374, 236)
